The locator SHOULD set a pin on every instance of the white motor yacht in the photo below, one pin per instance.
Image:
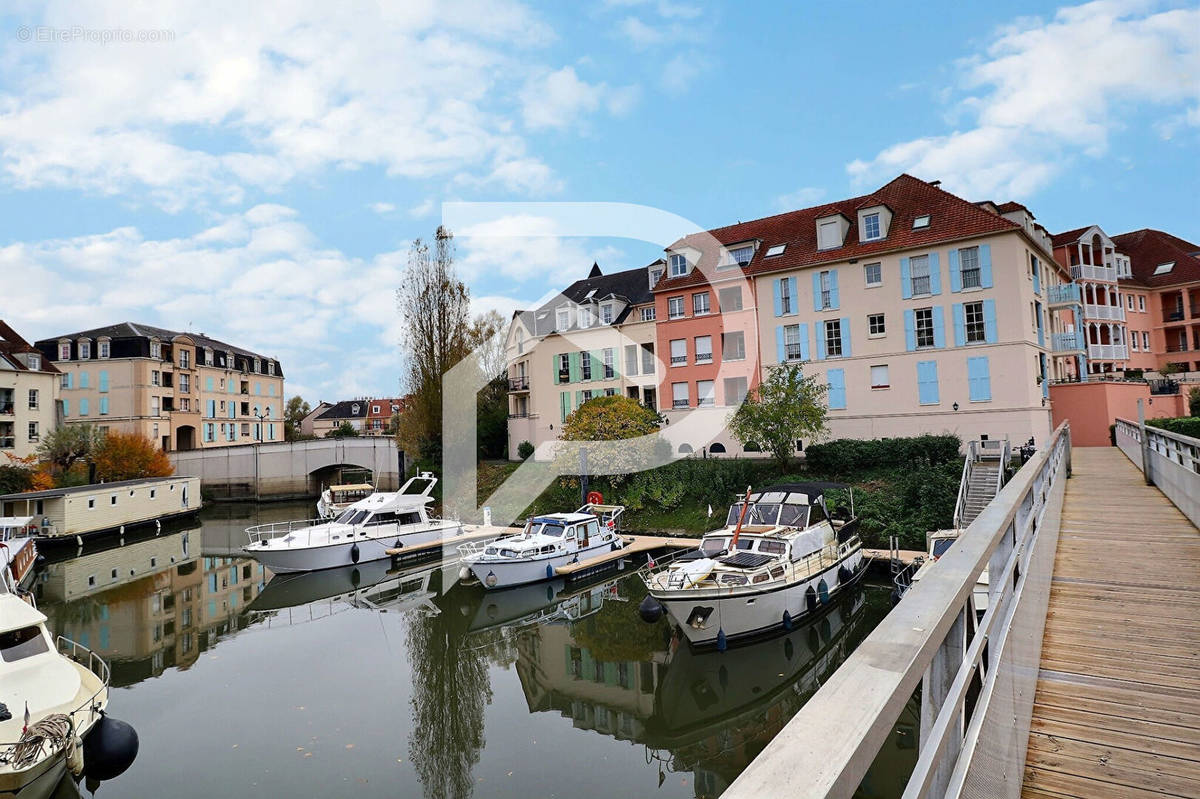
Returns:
(335, 499)
(547, 542)
(938, 543)
(780, 558)
(363, 532)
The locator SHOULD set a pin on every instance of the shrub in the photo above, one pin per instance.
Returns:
(524, 450)
(1194, 400)
(1183, 425)
(14, 479)
(847, 455)
(128, 456)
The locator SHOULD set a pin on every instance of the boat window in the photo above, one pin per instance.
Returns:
(412, 517)
(745, 543)
(490, 551)
(25, 642)
(547, 549)
(346, 516)
(593, 527)
(941, 545)
(734, 512)
(733, 579)
(793, 515)
(761, 577)
(817, 515)
(548, 528)
(777, 572)
(385, 517)
(763, 513)
(508, 553)
(713, 546)
(772, 547)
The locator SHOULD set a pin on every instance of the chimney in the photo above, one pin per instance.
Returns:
(935, 183)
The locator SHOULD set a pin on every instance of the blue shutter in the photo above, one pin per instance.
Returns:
(955, 272)
(819, 335)
(780, 349)
(1037, 279)
(816, 291)
(833, 289)
(989, 321)
(803, 333)
(104, 406)
(66, 407)
(979, 379)
(905, 283)
(794, 293)
(960, 325)
(985, 265)
(103, 381)
(927, 382)
(83, 380)
(70, 380)
(837, 388)
(83, 406)
(845, 325)
(939, 327)
(935, 274)
(232, 409)
(778, 297)
(910, 330)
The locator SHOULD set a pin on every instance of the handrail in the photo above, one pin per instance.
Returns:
(95, 664)
(836, 736)
(964, 483)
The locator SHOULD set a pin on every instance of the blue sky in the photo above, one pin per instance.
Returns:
(258, 175)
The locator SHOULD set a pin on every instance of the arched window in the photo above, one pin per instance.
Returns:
(685, 449)
(752, 446)
(717, 449)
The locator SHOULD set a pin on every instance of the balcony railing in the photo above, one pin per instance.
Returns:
(1173, 315)
(1113, 312)
(1177, 347)
(678, 360)
(7, 408)
(8, 442)
(518, 384)
(679, 403)
(1064, 294)
(1108, 352)
(1086, 272)
(1066, 342)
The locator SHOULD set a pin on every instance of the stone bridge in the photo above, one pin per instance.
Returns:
(288, 470)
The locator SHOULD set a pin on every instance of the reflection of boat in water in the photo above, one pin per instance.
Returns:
(375, 585)
(532, 603)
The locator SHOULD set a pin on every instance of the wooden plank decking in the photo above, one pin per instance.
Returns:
(1117, 708)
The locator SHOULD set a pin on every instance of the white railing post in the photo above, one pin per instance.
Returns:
(1145, 443)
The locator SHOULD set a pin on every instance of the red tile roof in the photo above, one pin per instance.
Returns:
(1010, 206)
(1147, 249)
(1069, 236)
(11, 344)
(952, 218)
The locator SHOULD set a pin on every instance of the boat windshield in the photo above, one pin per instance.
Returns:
(764, 513)
(793, 515)
(22, 643)
(714, 546)
(352, 516)
(940, 545)
(545, 528)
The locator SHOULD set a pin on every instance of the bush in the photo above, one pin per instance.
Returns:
(14, 479)
(524, 450)
(1194, 400)
(848, 455)
(1183, 425)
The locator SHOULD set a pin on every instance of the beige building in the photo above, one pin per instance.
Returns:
(182, 390)
(596, 338)
(28, 395)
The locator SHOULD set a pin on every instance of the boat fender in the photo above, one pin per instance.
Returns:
(109, 749)
(491, 579)
(788, 649)
(75, 757)
(549, 571)
(464, 574)
(810, 599)
(723, 677)
(354, 553)
(843, 574)
(651, 610)
(787, 621)
(722, 643)
(614, 547)
(355, 578)
(5, 713)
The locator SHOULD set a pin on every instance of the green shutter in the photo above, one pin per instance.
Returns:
(574, 364)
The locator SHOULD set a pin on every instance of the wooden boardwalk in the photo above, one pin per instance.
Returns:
(1117, 708)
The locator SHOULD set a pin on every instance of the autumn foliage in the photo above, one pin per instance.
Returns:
(128, 456)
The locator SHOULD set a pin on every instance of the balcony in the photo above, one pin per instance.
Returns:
(8, 442)
(1064, 294)
(518, 383)
(1107, 352)
(1179, 346)
(1110, 312)
(7, 408)
(1173, 314)
(1163, 386)
(1087, 272)
(1066, 342)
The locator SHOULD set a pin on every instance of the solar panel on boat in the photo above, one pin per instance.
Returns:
(746, 560)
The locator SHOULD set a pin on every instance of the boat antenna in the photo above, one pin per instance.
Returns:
(741, 517)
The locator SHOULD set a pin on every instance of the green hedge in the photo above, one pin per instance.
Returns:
(1183, 425)
(848, 455)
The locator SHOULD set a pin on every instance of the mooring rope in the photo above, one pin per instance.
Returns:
(50, 735)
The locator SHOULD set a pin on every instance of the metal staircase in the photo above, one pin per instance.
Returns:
(982, 478)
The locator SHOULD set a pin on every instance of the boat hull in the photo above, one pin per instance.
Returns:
(331, 556)
(495, 574)
(749, 614)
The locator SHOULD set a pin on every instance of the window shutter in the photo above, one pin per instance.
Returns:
(804, 351)
(780, 349)
(819, 335)
(578, 398)
(845, 325)
(960, 324)
(985, 265)
(939, 327)
(103, 406)
(103, 380)
(927, 382)
(573, 367)
(778, 298)
(989, 321)
(833, 289)
(816, 291)
(935, 274)
(836, 379)
(955, 272)
(910, 328)
(905, 283)
(616, 363)
(564, 404)
(979, 379)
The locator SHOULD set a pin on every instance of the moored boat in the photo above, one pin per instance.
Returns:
(363, 532)
(335, 499)
(781, 557)
(546, 543)
(18, 549)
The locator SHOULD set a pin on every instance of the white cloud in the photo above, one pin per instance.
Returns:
(558, 99)
(382, 208)
(805, 197)
(679, 72)
(522, 247)
(422, 209)
(1043, 93)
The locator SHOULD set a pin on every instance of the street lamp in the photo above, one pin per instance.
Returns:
(257, 446)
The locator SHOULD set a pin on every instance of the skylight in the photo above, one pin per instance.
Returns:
(776, 250)
(1162, 269)
(588, 296)
(921, 221)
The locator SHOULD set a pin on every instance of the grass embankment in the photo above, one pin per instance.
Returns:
(902, 487)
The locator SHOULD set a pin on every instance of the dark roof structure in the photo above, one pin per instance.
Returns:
(12, 346)
(632, 286)
(1150, 249)
(347, 409)
(1069, 236)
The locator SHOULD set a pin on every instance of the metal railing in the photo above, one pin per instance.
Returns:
(788, 571)
(1118, 352)
(979, 676)
(518, 383)
(1089, 272)
(1067, 342)
(1064, 294)
(1169, 461)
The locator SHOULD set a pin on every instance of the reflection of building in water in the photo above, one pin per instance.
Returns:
(150, 605)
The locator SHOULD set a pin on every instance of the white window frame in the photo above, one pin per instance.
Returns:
(607, 312)
(976, 275)
(649, 314)
(871, 331)
(918, 328)
(700, 355)
(156, 349)
(828, 326)
(973, 320)
(826, 290)
(676, 400)
(1141, 303)
(64, 351)
(675, 309)
(701, 305)
(792, 349)
(785, 297)
(85, 350)
(562, 319)
(887, 383)
(678, 264)
(867, 219)
(873, 284)
(703, 401)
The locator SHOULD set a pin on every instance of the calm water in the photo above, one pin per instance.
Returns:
(403, 684)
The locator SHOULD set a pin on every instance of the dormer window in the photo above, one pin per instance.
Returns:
(871, 228)
(85, 349)
(656, 273)
(64, 350)
(585, 316)
(831, 232)
(208, 356)
(354, 410)
(738, 256)
(921, 222)
(606, 313)
(257, 366)
(103, 347)
(35, 363)
(156, 349)
(271, 368)
(679, 266)
(563, 318)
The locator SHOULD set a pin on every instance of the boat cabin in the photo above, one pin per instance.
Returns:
(352, 492)
(79, 510)
(572, 529)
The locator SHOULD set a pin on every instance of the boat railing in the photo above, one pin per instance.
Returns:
(267, 532)
(803, 569)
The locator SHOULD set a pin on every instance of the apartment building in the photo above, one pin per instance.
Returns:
(28, 395)
(380, 411)
(183, 390)
(921, 312)
(1096, 265)
(1162, 290)
(352, 412)
(596, 338)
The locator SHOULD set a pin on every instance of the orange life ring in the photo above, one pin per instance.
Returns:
(595, 498)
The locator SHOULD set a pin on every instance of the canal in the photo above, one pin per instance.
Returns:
(369, 682)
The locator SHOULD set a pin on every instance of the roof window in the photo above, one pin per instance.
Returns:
(775, 250)
(921, 222)
(1162, 269)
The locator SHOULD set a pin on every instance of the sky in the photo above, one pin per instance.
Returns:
(258, 173)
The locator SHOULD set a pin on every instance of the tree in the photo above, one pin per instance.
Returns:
(435, 306)
(486, 339)
(343, 430)
(69, 444)
(786, 407)
(293, 414)
(611, 419)
(129, 456)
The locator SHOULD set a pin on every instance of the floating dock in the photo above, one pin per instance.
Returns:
(634, 545)
(472, 533)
